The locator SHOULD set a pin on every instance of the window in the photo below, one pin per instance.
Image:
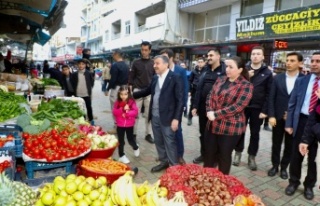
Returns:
(290, 4)
(212, 25)
(127, 26)
(252, 7)
(106, 36)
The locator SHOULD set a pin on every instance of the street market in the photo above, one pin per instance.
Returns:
(63, 125)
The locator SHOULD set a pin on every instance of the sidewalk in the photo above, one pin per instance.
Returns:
(270, 189)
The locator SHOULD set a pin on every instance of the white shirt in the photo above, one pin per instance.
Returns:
(290, 82)
(307, 98)
(162, 77)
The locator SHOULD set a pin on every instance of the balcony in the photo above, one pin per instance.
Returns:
(116, 36)
(198, 6)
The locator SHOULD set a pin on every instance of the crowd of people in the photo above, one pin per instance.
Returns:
(227, 96)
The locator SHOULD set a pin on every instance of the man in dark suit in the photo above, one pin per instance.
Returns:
(183, 74)
(165, 111)
(278, 104)
(300, 105)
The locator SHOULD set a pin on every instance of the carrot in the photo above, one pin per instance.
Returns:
(104, 166)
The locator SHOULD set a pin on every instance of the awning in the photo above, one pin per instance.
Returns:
(25, 21)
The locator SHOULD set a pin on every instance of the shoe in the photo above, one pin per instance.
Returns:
(92, 122)
(136, 152)
(189, 122)
(182, 161)
(308, 193)
(237, 159)
(149, 139)
(124, 159)
(291, 189)
(252, 163)
(284, 174)
(273, 171)
(267, 128)
(160, 167)
(198, 160)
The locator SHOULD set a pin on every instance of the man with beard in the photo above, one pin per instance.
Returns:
(261, 78)
(213, 70)
(140, 77)
(302, 101)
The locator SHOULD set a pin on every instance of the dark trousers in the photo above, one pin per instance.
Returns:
(179, 138)
(297, 158)
(218, 150)
(129, 132)
(278, 134)
(193, 93)
(252, 115)
(202, 126)
(105, 84)
(87, 100)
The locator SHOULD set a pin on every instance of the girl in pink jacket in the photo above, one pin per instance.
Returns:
(125, 112)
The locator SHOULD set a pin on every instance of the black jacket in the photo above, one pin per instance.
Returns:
(89, 81)
(262, 81)
(195, 77)
(67, 92)
(119, 75)
(200, 97)
(311, 132)
(170, 100)
(279, 97)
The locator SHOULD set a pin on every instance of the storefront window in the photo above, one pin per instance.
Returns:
(251, 7)
(212, 25)
(200, 20)
(223, 33)
(290, 4)
(199, 36)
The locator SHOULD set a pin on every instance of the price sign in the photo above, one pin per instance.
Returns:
(278, 44)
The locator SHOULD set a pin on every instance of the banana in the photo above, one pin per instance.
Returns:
(132, 197)
(149, 199)
(112, 193)
(121, 190)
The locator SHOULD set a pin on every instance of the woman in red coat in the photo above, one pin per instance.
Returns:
(225, 110)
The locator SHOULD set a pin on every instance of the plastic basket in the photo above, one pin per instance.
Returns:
(102, 153)
(10, 154)
(15, 131)
(31, 167)
(88, 173)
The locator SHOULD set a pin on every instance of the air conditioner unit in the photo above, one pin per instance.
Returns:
(185, 41)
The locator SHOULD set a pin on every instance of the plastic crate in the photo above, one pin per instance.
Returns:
(32, 166)
(15, 131)
(4, 153)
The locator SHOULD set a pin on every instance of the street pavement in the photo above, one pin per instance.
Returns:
(270, 189)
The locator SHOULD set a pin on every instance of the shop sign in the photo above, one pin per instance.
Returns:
(304, 20)
(279, 44)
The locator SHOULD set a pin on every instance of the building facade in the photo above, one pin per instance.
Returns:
(192, 27)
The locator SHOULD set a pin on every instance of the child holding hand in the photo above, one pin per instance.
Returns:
(125, 112)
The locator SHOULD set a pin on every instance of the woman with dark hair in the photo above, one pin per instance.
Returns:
(225, 110)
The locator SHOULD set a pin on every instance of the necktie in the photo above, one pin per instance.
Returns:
(314, 98)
